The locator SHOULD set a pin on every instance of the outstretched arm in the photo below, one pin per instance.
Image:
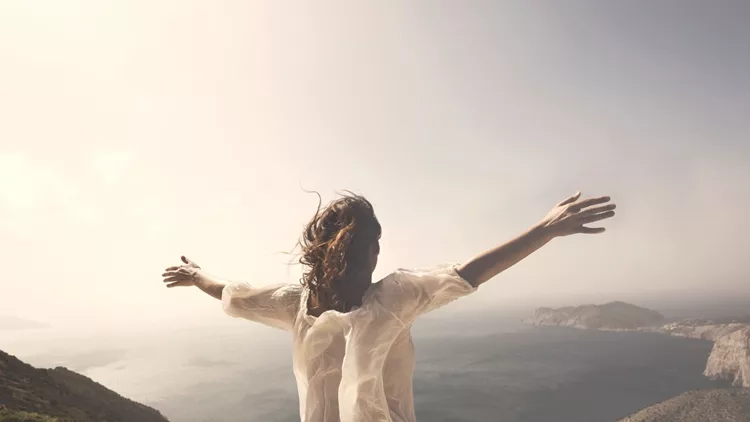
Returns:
(274, 305)
(568, 217)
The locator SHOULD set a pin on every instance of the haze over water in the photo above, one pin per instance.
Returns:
(479, 366)
(137, 131)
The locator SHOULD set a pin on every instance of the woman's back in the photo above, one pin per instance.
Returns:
(357, 365)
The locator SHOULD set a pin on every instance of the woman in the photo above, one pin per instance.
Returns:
(353, 354)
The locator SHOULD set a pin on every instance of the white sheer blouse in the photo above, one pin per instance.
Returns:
(355, 366)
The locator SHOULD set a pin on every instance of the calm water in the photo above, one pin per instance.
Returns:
(480, 369)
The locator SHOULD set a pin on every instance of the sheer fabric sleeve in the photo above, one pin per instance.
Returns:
(273, 305)
(412, 293)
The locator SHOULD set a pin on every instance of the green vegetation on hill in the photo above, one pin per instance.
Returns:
(60, 395)
(8, 415)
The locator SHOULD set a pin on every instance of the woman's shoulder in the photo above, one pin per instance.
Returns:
(286, 291)
(291, 288)
(391, 285)
(400, 275)
(405, 280)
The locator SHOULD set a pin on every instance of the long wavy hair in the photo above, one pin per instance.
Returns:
(336, 245)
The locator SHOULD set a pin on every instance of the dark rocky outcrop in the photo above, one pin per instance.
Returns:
(31, 394)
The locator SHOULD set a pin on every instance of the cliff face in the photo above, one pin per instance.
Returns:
(28, 393)
(730, 358)
(610, 316)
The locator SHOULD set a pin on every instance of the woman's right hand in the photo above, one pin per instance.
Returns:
(574, 214)
(182, 275)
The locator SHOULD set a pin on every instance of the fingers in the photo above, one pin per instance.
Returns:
(592, 230)
(179, 275)
(179, 284)
(599, 209)
(177, 271)
(589, 202)
(590, 218)
(189, 262)
(589, 211)
(571, 199)
(178, 267)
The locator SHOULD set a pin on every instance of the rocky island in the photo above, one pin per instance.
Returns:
(28, 394)
(612, 316)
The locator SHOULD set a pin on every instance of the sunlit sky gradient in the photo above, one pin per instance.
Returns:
(132, 132)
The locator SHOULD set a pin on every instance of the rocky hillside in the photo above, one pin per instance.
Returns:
(60, 395)
(719, 405)
(729, 360)
(704, 329)
(610, 316)
(730, 357)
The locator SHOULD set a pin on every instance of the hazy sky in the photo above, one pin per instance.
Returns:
(132, 132)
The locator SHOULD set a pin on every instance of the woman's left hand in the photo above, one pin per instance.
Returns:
(573, 214)
(182, 275)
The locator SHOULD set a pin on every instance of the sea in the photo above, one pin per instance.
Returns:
(471, 366)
